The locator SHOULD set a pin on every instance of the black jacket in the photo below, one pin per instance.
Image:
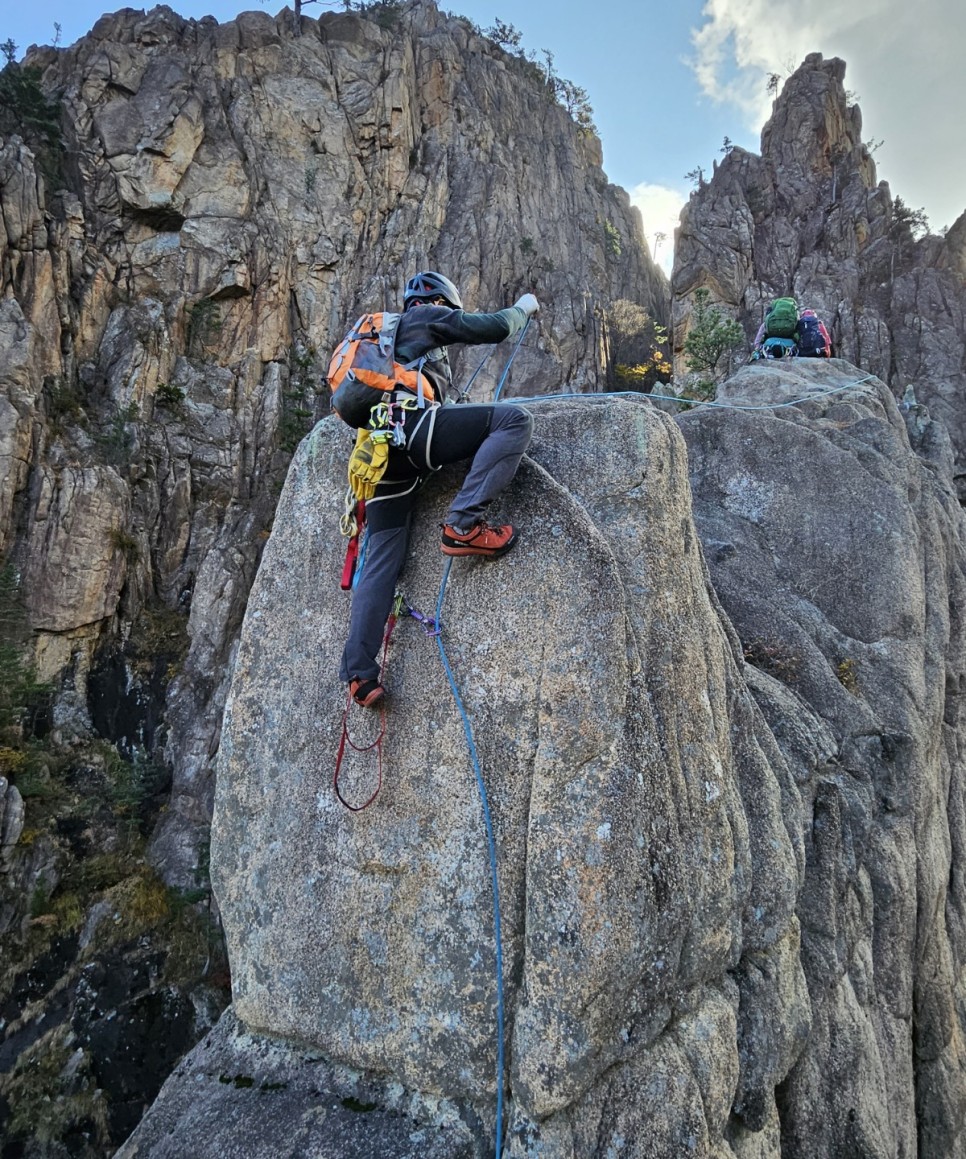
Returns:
(425, 331)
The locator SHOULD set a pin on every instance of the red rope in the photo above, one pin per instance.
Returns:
(376, 744)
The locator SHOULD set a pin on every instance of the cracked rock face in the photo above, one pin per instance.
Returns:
(721, 743)
(807, 217)
(835, 542)
(727, 817)
(647, 824)
(236, 195)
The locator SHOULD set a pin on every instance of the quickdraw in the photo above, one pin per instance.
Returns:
(431, 627)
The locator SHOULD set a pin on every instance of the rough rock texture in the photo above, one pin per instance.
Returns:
(807, 218)
(836, 545)
(648, 828)
(235, 195)
(286, 1101)
(732, 888)
(11, 819)
(722, 939)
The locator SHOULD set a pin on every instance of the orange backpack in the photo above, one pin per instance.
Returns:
(365, 361)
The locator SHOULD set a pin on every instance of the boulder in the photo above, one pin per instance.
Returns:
(835, 541)
(649, 850)
(727, 817)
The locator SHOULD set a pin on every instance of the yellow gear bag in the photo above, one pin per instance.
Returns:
(367, 463)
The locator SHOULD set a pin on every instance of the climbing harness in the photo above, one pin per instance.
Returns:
(370, 456)
(367, 466)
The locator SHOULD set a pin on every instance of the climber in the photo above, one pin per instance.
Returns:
(494, 436)
(778, 333)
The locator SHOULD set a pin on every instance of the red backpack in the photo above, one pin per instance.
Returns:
(364, 362)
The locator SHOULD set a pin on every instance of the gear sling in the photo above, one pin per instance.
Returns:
(364, 362)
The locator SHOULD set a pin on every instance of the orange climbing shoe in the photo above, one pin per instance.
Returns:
(366, 692)
(479, 540)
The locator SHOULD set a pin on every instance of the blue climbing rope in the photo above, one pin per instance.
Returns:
(769, 405)
(509, 362)
(491, 844)
(468, 730)
(465, 392)
(361, 561)
(696, 402)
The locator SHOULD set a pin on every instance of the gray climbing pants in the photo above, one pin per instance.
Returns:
(495, 437)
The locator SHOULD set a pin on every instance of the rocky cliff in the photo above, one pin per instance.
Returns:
(729, 860)
(834, 538)
(718, 720)
(234, 194)
(807, 217)
(223, 201)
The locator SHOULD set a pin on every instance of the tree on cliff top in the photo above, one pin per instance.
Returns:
(26, 112)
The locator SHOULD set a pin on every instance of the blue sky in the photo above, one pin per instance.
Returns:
(667, 82)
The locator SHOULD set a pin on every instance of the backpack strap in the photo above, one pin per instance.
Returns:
(387, 334)
(417, 365)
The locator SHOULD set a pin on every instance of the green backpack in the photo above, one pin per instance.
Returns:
(782, 319)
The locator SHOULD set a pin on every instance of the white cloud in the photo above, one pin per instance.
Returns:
(660, 208)
(742, 42)
(904, 64)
